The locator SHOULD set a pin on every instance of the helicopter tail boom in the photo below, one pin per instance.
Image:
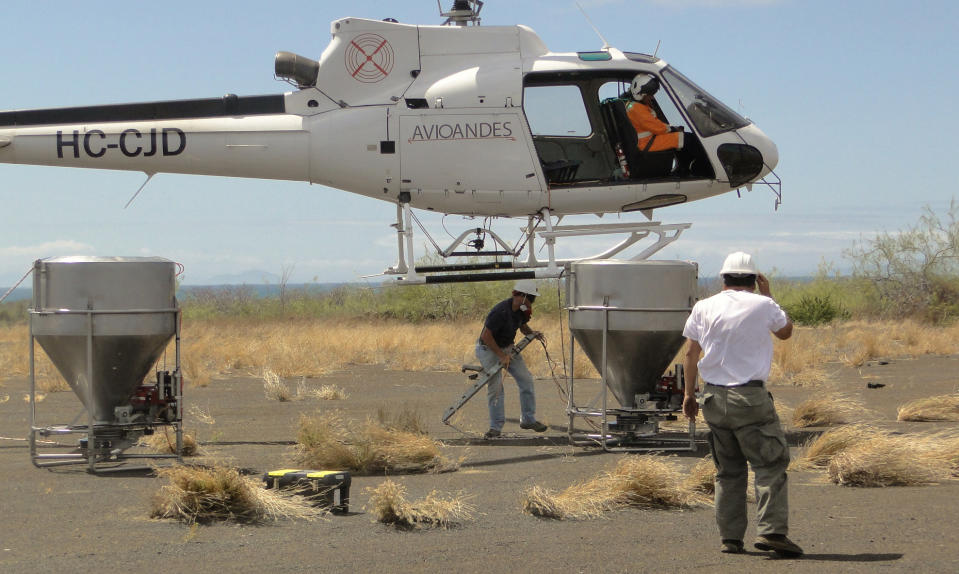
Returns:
(230, 136)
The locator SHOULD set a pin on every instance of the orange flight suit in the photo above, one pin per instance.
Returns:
(647, 126)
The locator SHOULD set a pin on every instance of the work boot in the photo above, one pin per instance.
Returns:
(492, 433)
(779, 544)
(534, 426)
(731, 546)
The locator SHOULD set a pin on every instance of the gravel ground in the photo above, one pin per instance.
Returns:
(65, 520)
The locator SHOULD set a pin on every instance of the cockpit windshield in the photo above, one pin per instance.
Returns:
(708, 115)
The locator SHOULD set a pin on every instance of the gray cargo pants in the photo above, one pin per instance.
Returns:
(744, 427)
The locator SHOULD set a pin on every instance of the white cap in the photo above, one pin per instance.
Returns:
(739, 263)
(527, 286)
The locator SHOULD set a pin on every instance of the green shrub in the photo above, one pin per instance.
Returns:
(944, 301)
(814, 310)
(410, 303)
(914, 272)
(13, 312)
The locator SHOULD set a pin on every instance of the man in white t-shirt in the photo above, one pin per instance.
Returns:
(731, 330)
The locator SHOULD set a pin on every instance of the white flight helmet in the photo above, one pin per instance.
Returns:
(527, 286)
(644, 84)
(739, 263)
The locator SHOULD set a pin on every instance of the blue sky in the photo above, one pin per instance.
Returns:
(857, 95)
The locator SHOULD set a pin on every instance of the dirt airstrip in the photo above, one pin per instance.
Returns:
(65, 520)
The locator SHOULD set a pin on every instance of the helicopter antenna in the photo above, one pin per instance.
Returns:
(606, 45)
(658, 42)
(462, 13)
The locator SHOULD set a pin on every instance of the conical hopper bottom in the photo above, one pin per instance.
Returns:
(635, 360)
(120, 364)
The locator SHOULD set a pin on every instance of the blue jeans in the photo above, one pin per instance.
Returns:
(494, 389)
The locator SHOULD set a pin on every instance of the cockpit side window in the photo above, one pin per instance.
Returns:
(708, 115)
(664, 108)
(556, 111)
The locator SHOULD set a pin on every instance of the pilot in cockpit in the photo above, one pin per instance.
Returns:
(652, 130)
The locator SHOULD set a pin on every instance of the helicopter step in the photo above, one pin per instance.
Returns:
(482, 377)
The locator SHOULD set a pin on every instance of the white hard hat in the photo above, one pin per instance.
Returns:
(739, 263)
(527, 286)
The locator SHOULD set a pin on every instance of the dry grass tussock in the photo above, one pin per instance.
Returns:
(277, 390)
(204, 495)
(827, 410)
(818, 452)
(862, 455)
(323, 393)
(940, 408)
(702, 478)
(329, 441)
(943, 447)
(164, 442)
(274, 388)
(637, 481)
(388, 504)
(885, 461)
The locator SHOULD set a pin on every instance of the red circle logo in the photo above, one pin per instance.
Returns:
(369, 58)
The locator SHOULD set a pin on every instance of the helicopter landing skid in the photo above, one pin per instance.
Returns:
(539, 225)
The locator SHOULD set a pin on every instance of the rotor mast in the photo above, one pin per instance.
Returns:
(462, 13)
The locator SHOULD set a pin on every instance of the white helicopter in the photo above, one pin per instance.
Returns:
(458, 119)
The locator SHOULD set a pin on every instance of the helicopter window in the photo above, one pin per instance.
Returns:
(620, 89)
(709, 115)
(556, 111)
(614, 90)
(594, 56)
(637, 57)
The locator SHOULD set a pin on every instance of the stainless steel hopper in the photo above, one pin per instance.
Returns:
(103, 321)
(639, 308)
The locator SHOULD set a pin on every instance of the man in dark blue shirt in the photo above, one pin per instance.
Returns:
(494, 346)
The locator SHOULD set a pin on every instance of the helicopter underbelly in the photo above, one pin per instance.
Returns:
(567, 201)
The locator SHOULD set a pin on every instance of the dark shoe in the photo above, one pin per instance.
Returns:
(732, 547)
(492, 433)
(779, 544)
(534, 426)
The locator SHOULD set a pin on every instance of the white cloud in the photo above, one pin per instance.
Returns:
(46, 249)
(18, 259)
(848, 236)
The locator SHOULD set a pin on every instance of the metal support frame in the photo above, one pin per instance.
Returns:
(617, 441)
(93, 455)
(408, 273)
